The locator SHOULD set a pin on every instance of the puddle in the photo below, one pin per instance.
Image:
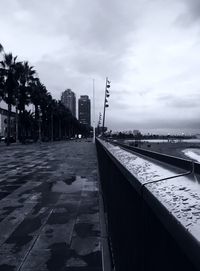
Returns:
(69, 181)
(70, 185)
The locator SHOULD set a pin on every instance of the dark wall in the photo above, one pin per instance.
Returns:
(139, 240)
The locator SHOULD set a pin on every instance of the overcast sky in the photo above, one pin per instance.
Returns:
(149, 49)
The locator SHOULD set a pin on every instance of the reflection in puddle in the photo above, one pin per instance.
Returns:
(69, 181)
(70, 185)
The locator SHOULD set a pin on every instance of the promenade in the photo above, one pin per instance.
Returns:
(49, 207)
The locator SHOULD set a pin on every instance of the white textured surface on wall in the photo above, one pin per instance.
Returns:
(0, 125)
(3, 105)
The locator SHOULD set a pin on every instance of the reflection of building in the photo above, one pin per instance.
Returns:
(3, 123)
(68, 98)
(84, 110)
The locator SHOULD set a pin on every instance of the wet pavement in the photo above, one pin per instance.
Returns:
(49, 208)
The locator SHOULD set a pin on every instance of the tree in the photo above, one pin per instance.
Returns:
(52, 110)
(19, 87)
(1, 77)
(45, 105)
(26, 77)
(8, 72)
(1, 48)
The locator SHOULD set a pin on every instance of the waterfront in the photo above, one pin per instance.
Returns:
(192, 140)
(188, 149)
(193, 154)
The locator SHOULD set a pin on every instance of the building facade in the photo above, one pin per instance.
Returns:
(3, 123)
(68, 99)
(84, 110)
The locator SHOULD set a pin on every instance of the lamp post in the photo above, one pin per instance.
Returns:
(107, 94)
(93, 110)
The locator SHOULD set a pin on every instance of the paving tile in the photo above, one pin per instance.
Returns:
(49, 209)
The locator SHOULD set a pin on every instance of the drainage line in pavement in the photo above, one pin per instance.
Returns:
(34, 241)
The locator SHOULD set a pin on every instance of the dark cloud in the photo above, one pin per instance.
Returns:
(97, 37)
(102, 25)
(191, 13)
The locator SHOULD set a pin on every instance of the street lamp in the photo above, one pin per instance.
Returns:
(107, 95)
(94, 124)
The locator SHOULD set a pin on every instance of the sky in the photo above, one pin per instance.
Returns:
(149, 49)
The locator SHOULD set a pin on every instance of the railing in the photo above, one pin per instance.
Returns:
(152, 208)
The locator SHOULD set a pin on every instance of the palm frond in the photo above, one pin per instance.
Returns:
(1, 48)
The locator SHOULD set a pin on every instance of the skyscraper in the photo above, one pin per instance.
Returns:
(84, 110)
(68, 98)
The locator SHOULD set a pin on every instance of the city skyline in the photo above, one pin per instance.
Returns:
(149, 51)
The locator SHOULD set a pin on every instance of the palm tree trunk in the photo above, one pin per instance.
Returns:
(60, 129)
(51, 127)
(17, 123)
(36, 132)
(23, 126)
(9, 124)
(40, 130)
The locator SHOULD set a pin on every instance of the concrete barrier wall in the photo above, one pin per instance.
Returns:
(144, 234)
(179, 162)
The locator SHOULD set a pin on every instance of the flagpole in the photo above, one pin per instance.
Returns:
(93, 81)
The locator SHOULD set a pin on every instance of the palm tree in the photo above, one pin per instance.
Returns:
(1, 77)
(52, 110)
(8, 71)
(20, 87)
(26, 77)
(36, 90)
(1, 48)
(2, 81)
(28, 123)
(45, 105)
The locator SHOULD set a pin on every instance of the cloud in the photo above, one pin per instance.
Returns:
(152, 62)
(190, 14)
(175, 101)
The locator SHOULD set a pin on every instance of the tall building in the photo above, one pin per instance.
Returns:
(68, 98)
(84, 110)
